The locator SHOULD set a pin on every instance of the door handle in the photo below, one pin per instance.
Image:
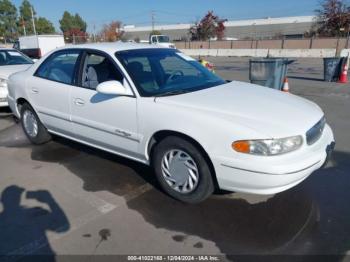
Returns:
(35, 91)
(79, 102)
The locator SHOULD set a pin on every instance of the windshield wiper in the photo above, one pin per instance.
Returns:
(172, 93)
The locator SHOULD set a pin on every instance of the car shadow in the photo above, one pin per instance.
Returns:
(311, 218)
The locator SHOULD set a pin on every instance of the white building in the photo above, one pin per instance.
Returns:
(289, 27)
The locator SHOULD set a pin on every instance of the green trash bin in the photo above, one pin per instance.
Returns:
(269, 72)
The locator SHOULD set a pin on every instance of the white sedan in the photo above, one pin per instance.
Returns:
(11, 61)
(162, 108)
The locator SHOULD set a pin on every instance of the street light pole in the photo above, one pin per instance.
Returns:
(24, 27)
(31, 9)
(152, 18)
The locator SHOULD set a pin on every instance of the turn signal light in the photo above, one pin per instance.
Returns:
(241, 146)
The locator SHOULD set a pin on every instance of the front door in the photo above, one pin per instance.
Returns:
(106, 121)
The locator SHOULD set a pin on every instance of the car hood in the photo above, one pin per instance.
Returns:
(270, 112)
(6, 71)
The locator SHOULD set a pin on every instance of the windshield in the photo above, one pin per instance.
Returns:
(158, 72)
(163, 39)
(13, 57)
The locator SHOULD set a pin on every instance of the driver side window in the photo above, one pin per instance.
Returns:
(98, 69)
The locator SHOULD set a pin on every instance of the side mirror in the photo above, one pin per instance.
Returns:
(112, 88)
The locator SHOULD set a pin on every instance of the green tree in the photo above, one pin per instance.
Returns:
(73, 27)
(8, 20)
(44, 26)
(69, 22)
(25, 18)
(66, 23)
(79, 23)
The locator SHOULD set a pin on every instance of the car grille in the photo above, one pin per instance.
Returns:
(315, 132)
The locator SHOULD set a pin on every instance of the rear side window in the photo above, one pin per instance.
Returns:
(59, 67)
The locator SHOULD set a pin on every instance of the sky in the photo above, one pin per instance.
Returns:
(138, 12)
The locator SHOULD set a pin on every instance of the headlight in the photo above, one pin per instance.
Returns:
(268, 147)
(3, 83)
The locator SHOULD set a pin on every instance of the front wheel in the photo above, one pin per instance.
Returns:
(32, 126)
(182, 170)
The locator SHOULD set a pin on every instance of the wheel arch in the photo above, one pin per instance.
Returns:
(19, 103)
(160, 135)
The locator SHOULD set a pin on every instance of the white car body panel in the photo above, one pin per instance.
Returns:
(55, 113)
(213, 117)
(5, 72)
(92, 124)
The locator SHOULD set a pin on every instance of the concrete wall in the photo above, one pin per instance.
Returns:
(307, 53)
(298, 53)
(338, 43)
(345, 53)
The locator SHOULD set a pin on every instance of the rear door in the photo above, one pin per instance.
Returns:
(50, 89)
(107, 121)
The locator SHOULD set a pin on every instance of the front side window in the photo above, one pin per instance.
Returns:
(157, 72)
(59, 67)
(13, 57)
(98, 69)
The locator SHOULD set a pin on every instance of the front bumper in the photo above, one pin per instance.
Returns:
(270, 175)
(3, 97)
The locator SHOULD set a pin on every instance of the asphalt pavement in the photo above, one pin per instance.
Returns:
(66, 199)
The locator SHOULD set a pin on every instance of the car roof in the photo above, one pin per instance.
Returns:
(112, 47)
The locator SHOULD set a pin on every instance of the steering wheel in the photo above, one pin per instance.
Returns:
(172, 76)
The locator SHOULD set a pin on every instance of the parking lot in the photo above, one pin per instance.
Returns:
(64, 198)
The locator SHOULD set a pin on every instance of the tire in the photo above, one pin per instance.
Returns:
(186, 159)
(41, 135)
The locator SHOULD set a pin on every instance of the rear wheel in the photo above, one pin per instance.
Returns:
(32, 127)
(182, 170)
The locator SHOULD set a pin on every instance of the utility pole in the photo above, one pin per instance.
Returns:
(31, 9)
(153, 18)
(94, 28)
(24, 27)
